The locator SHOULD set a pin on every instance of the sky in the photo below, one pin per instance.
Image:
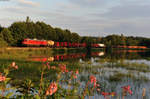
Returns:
(85, 17)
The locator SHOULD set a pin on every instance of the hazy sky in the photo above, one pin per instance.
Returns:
(86, 17)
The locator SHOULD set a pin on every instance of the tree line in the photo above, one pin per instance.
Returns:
(18, 31)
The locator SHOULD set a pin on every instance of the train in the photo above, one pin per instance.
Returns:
(53, 44)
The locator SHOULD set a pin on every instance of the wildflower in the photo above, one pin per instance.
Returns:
(63, 68)
(48, 66)
(98, 89)
(127, 89)
(97, 85)
(75, 76)
(2, 78)
(16, 67)
(51, 89)
(13, 65)
(77, 72)
(66, 71)
(47, 63)
(93, 80)
(53, 67)
(71, 72)
(112, 94)
(105, 94)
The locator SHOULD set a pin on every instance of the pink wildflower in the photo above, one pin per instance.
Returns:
(71, 72)
(112, 94)
(93, 80)
(105, 94)
(97, 85)
(48, 66)
(16, 67)
(53, 67)
(2, 78)
(98, 89)
(77, 72)
(13, 65)
(75, 76)
(51, 89)
(127, 89)
(63, 68)
(66, 71)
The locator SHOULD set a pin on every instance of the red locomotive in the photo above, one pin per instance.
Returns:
(34, 42)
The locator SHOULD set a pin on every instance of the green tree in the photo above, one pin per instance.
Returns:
(19, 32)
(3, 43)
(59, 33)
(28, 19)
(123, 40)
(67, 35)
(132, 42)
(75, 37)
(45, 31)
(7, 36)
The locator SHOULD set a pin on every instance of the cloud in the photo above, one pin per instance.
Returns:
(128, 11)
(134, 2)
(6, 21)
(91, 3)
(84, 25)
(129, 18)
(28, 3)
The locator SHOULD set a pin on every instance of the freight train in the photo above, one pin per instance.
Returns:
(50, 43)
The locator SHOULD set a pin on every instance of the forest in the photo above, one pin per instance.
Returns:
(18, 31)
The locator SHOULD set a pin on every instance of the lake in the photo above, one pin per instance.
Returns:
(98, 74)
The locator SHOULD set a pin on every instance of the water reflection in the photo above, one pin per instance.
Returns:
(112, 69)
(113, 55)
(65, 57)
